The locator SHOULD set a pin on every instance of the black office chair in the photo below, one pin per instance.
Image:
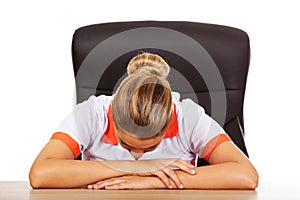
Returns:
(209, 64)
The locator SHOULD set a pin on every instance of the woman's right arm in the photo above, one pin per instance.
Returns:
(55, 167)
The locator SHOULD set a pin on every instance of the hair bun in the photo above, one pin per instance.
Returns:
(148, 63)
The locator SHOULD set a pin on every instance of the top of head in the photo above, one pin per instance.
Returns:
(147, 63)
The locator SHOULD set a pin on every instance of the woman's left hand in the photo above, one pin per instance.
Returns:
(125, 182)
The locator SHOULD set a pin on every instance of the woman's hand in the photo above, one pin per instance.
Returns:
(162, 168)
(125, 182)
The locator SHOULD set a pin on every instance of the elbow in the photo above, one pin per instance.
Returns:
(251, 181)
(251, 184)
(35, 179)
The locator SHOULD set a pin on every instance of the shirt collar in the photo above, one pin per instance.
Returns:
(110, 137)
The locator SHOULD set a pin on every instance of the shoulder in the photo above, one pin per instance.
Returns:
(102, 102)
(187, 109)
(192, 118)
(194, 124)
(93, 110)
(100, 106)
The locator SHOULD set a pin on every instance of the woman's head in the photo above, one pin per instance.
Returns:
(142, 105)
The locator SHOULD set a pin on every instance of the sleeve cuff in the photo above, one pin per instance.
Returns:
(69, 141)
(212, 145)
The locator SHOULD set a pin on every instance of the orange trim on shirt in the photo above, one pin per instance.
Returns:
(69, 141)
(172, 129)
(110, 137)
(212, 145)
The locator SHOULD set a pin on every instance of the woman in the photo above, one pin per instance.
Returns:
(142, 137)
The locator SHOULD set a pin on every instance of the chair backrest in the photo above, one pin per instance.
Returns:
(209, 63)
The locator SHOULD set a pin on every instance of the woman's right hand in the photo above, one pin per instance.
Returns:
(164, 169)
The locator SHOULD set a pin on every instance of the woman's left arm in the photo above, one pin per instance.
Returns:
(229, 169)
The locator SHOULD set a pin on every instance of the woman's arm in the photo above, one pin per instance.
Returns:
(229, 169)
(55, 167)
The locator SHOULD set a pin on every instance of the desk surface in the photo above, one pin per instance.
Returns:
(22, 191)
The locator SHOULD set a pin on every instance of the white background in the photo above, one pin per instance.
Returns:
(37, 84)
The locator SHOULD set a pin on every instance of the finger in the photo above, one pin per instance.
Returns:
(185, 163)
(173, 176)
(160, 174)
(91, 186)
(117, 186)
(105, 183)
(184, 166)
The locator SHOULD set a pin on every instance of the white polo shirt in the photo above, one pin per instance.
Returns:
(89, 130)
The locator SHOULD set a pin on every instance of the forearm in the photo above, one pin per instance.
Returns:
(55, 173)
(229, 175)
(62, 173)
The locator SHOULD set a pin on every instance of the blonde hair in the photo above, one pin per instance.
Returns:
(142, 104)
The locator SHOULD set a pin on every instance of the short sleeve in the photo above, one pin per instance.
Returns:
(77, 128)
(205, 133)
